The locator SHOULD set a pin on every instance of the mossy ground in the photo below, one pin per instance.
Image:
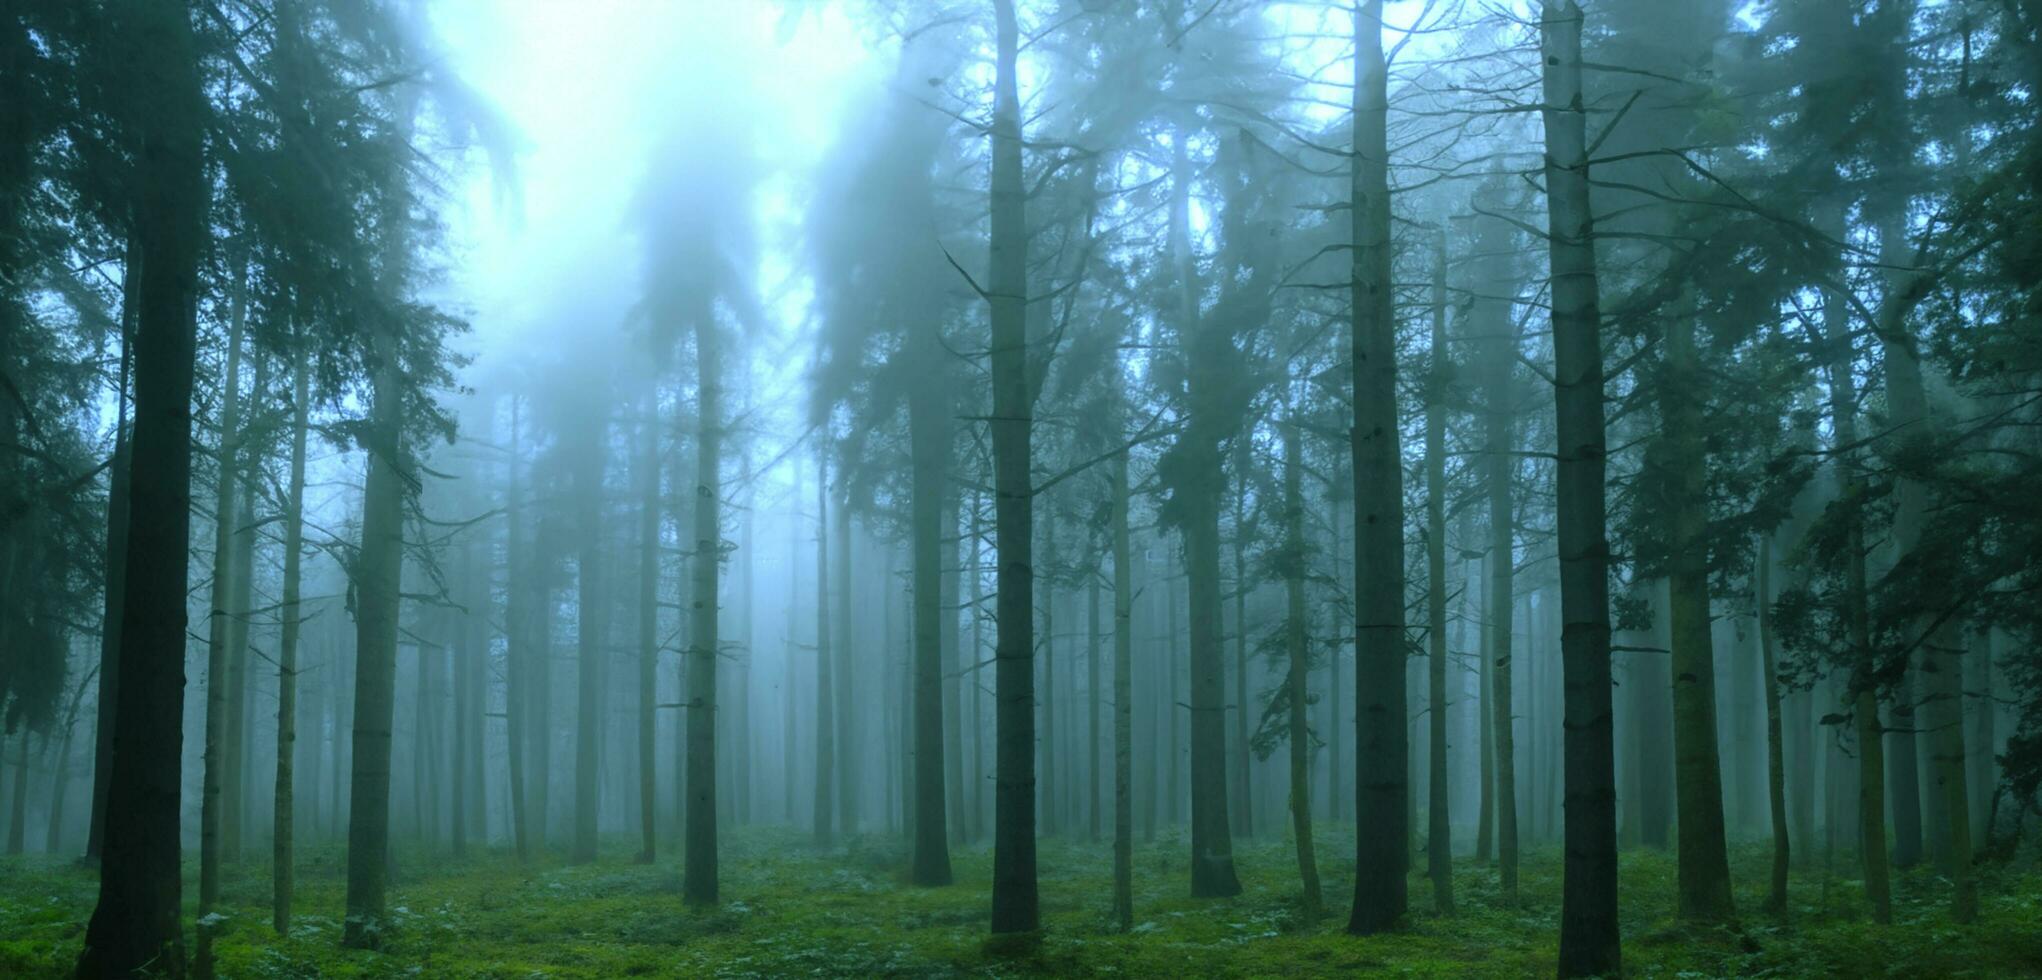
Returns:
(789, 910)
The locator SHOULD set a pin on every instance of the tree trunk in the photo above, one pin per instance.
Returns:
(376, 576)
(1588, 912)
(1297, 650)
(954, 662)
(518, 655)
(845, 685)
(1243, 793)
(1776, 766)
(929, 441)
(234, 782)
(648, 628)
(1493, 315)
(699, 872)
(1381, 754)
(214, 803)
(825, 724)
(287, 654)
(1704, 866)
(119, 482)
(1485, 812)
(1123, 703)
(1014, 887)
(1439, 829)
(1092, 749)
(588, 628)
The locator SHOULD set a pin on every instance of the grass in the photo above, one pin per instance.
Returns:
(790, 910)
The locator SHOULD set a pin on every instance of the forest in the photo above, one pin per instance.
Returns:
(1015, 488)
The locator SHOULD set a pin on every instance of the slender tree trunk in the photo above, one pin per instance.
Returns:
(929, 440)
(825, 725)
(1500, 463)
(848, 759)
(1704, 867)
(1092, 749)
(518, 654)
(954, 663)
(1485, 809)
(1945, 715)
(287, 654)
(1588, 911)
(588, 629)
(1014, 886)
(648, 629)
(1244, 797)
(1439, 829)
(1298, 672)
(699, 875)
(1123, 704)
(1046, 795)
(234, 773)
(976, 828)
(1776, 767)
(213, 801)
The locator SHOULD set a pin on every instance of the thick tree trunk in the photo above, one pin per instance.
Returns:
(699, 871)
(119, 482)
(1381, 753)
(1588, 912)
(284, 823)
(1014, 887)
(1439, 829)
(1123, 703)
(376, 582)
(1703, 876)
(929, 441)
(825, 722)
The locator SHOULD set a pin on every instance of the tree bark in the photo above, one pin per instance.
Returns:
(213, 799)
(699, 870)
(1381, 754)
(1297, 678)
(518, 654)
(284, 823)
(929, 441)
(1703, 875)
(1123, 703)
(1014, 886)
(648, 630)
(1776, 767)
(1588, 913)
(825, 722)
(119, 483)
(588, 629)
(1439, 829)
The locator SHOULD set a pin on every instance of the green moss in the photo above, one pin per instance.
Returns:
(789, 910)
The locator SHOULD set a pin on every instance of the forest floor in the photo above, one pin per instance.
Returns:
(789, 910)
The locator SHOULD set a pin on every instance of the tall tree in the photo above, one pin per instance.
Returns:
(1381, 757)
(1589, 942)
(1014, 887)
(134, 926)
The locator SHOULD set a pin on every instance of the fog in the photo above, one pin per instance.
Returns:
(1555, 466)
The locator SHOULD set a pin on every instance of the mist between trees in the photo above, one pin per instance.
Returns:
(1482, 428)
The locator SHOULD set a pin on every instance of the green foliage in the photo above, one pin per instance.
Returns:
(794, 911)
